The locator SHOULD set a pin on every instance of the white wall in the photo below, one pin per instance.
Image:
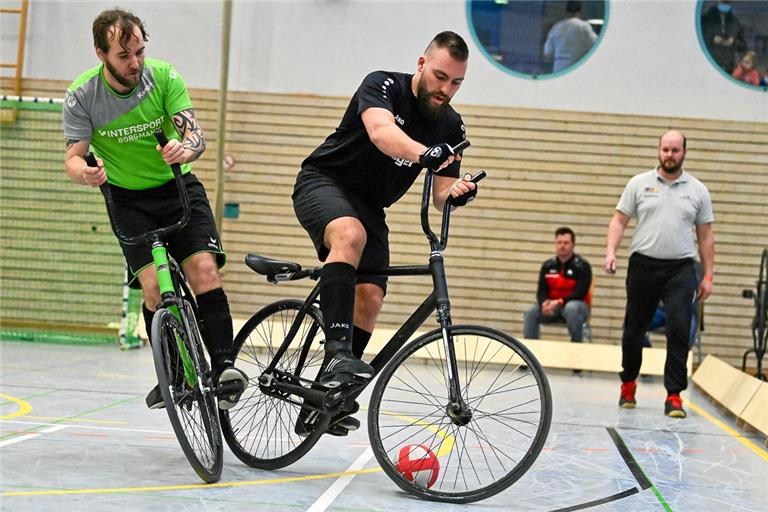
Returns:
(649, 61)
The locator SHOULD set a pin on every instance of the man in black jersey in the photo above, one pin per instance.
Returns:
(396, 124)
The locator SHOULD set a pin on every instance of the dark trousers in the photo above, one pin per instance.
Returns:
(648, 281)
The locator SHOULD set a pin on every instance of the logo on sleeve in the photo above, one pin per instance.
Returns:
(387, 83)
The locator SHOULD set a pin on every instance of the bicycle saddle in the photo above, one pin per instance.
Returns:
(267, 266)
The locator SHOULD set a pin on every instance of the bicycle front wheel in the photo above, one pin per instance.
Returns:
(428, 448)
(191, 409)
(261, 428)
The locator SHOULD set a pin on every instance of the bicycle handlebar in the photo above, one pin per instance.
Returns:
(441, 243)
(159, 233)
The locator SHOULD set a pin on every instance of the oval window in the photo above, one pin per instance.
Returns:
(734, 37)
(537, 39)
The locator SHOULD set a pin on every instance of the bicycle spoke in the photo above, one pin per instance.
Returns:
(484, 443)
(260, 429)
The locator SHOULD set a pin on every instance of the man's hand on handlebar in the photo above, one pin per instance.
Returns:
(463, 191)
(438, 157)
(173, 152)
(93, 175)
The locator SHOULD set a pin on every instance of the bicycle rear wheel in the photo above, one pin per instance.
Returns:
(192, 410)
(260, 428)
(438, 456)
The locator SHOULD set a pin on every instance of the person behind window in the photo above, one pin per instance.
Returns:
(724, 35)
(746, 71)
(569, 39)
(563, 290)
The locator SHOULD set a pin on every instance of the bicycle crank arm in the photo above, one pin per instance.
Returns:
(308, 394)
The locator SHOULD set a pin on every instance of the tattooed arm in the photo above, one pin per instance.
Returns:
(192, 142)
(191, 134)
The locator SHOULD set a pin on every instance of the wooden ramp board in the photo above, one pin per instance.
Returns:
(756, 411)
(741, 394)
(553, 354)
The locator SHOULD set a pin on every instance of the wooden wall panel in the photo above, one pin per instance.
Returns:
(546, 169)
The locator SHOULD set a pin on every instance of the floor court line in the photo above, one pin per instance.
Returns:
(24, 407)
(186, 487)
(93, 427)
(325, 500)
(27, 437)
(746, 442)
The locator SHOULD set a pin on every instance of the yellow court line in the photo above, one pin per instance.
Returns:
(746, 442)
(445, 447)
(115, 490)
(24, 407)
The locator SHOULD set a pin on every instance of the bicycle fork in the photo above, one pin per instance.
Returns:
(457, 409)
(167, 299)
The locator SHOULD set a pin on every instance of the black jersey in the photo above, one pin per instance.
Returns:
(351, 159)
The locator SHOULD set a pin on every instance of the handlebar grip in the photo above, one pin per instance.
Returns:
(461, 146)
(90, 160)
(161, 138)
(477, 177)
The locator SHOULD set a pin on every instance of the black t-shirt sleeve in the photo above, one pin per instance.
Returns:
(377, 90)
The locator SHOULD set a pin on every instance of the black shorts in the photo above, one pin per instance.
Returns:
(318, 199)
(139, 211)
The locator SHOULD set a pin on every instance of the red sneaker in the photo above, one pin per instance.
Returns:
(673, 406)
(627, 398)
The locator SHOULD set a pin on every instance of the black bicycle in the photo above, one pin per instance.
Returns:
(183, 373)
(456, 415)
(760, 320)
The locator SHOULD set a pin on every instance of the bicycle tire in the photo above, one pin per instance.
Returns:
(511, 403)
(761, 301)
(259, 429)
(191, 410)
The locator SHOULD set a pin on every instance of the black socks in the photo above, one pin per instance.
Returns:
(337, 302)
(216, 320)
(360, 339)
(148, 315)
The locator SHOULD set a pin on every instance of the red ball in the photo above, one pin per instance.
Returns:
(418, 464)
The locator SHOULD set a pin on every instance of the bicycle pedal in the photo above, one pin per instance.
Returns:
(337, 430)
(231, 387)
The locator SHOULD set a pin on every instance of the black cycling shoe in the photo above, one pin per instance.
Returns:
(340, 425)
(343, 367)
(154, 398)
(230, 377)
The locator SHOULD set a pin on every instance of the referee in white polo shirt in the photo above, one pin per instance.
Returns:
(668, 205)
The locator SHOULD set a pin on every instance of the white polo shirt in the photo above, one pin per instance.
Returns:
(666, 213)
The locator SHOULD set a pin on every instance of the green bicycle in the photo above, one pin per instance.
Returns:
(183, 373)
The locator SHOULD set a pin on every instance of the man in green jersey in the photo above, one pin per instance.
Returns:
(116, 107)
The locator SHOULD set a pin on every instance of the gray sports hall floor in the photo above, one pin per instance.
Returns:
(75, 435)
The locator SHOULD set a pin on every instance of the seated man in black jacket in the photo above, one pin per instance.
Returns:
(563, 291)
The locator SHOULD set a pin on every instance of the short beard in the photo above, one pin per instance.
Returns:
(423, 98)
(670, 170)
(121, 79)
